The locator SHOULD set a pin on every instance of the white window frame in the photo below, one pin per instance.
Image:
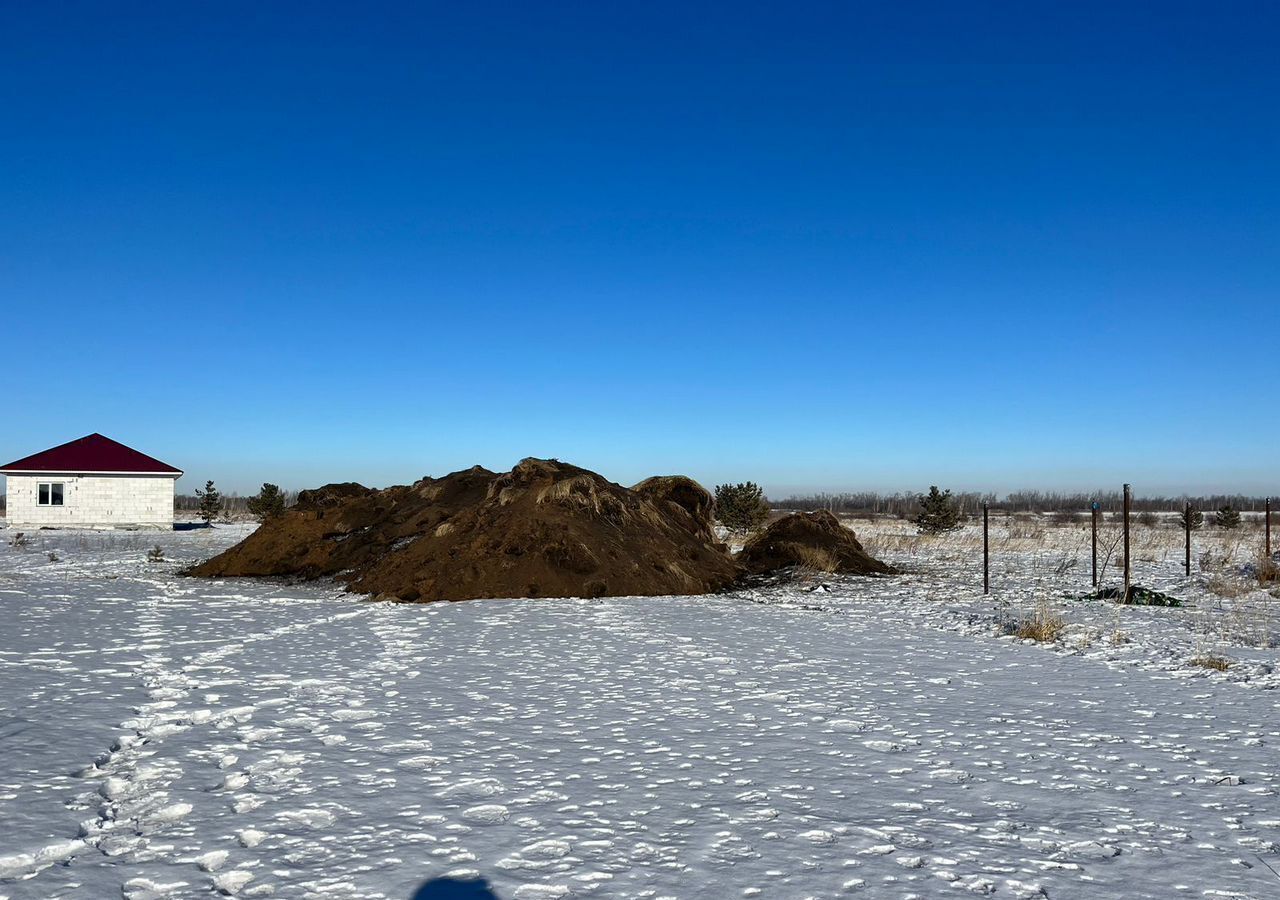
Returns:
(62, 494)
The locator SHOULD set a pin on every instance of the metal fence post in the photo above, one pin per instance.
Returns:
(1094, 510)
(1128, 504)
(986, 550)
(1186, 524)
(1267, 516)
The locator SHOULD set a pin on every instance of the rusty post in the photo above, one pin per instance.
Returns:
(1267, 517)
(1128, 505)
(1186, 524)
(1094, 510)
(986, 551)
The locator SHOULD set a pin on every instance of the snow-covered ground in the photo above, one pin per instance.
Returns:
(162, 736)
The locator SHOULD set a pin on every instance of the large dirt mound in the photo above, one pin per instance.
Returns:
(544, 529)
(813, 539)
(686, 500)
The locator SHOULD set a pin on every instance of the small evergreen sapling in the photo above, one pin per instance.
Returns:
(1191, 518)
(741, 507)
(1227, 517)
(269, 502)
(210, 502)
(938, 512)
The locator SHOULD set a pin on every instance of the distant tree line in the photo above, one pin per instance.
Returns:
(898, 505)
(908, 506)
(233, 505)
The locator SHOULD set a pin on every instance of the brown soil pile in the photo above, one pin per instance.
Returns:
(686, 501)
(813, 539)
(544, 529)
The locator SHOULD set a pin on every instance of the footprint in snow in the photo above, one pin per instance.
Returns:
(884, 746)
(486, 814)
(232, 881)
(818, 837)
(551, 848)
(211, 861)
(310, 818)
(473, 789)
(146, 889)
(541, 892)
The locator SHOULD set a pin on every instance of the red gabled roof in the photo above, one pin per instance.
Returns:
(93, 453)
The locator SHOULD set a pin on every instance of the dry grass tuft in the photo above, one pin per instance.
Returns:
(1249, 621)
(1021, 529)
(1211, 661)
(1267, 570)
(1044, 625)
(818, 559)
(1226, 587)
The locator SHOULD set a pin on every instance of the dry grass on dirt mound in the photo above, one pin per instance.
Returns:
(544, 529)
(811, 539)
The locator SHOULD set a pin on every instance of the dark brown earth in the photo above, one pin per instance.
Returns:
(813, 539)
(687, 501)
(544, 529)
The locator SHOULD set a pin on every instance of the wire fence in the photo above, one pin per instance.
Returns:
(868, 504)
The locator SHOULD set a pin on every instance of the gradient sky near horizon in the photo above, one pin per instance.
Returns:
(822, 246)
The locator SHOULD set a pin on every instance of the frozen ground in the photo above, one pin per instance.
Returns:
(168, 737)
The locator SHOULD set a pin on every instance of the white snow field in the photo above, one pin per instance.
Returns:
(170, 737)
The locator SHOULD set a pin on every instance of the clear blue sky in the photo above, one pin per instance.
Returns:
(845, 246)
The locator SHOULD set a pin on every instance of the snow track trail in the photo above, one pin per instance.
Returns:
(163, 737)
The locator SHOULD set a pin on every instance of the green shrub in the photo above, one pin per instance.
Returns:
(938, 512)
(741, 507)
(269, 502)
(210, 502)
(1227, 517)
(1191, 518)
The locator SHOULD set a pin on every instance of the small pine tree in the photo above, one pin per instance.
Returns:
(1227, 517)
(210, 502)
(741, 507)
(938, 512)
(269, 502)
(1191, 518)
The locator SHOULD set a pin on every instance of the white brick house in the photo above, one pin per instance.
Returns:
(93, 482)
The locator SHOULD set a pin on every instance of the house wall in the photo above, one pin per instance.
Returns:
(99, 501)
